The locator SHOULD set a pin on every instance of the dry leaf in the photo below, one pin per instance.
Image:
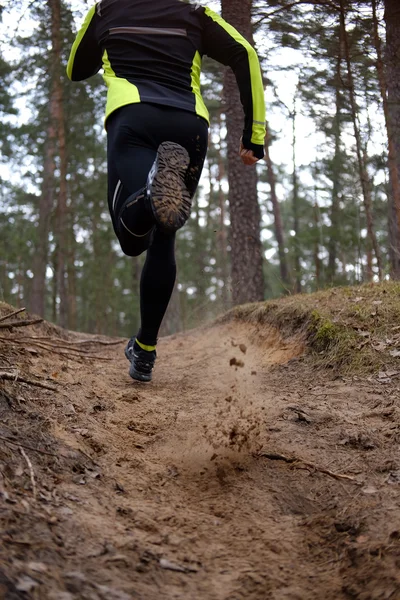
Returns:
(37, 567)
(26, 584)
(379, 347)
(369, 490)
(166, 564)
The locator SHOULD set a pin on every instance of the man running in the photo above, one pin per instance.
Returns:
(157, 129)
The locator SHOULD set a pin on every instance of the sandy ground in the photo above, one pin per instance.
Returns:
(240, 473)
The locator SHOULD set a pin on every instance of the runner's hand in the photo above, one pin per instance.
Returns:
(247, 156)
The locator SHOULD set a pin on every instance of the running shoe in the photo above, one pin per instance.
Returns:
(142, 361)
(169, 198)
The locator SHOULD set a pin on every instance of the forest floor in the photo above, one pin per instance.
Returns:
(249, 469)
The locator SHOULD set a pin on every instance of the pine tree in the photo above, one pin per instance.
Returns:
(391, 99)
(245, 216)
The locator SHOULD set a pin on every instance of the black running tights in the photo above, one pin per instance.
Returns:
(134, 133)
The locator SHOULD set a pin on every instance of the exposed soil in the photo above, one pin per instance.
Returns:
(241, 472)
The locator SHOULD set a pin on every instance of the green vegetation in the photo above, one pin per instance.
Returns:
(352, 330)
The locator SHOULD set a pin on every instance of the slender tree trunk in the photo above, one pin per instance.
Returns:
(245, 214)
(336, 167)
(97, 273)
(62, 211)
(295, 202)
(37, 302)
(71, 271)
(392, 16)
(364, 177)
(222, 236)
(199, 270)
(276, 209)
(369, 272)
(317, 260)
(222, 239)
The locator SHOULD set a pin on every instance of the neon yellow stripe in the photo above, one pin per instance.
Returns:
(147, 348)
(78, 40)
(201, 108)
(257, 86)
(120, 91)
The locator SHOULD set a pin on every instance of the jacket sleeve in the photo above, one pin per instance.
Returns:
(225, 44)
(86, 55)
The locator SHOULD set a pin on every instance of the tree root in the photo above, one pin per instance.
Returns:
(299, 463)
(20, 323)
(17, 379)
(19, 445)
(71, 353)
(13, 314)
(31, 471)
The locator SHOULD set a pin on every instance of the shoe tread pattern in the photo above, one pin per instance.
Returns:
(170, 199)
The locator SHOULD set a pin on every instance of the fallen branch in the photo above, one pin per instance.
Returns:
(49, 339)
(100, 342)
(20, 323)
(13, 314)
(16, 378)
(59, 349)
(18, 444)
(70, 353)
(292, 460)
(31, 471)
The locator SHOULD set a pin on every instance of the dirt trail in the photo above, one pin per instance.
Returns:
(166, 490)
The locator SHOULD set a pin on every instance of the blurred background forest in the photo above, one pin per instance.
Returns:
(322, 209)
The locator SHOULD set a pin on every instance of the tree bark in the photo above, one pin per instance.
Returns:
(364, 177)
(276, 209)
(37, 303)
(295, 203)
(389, 82)
(245, 214)
(336, 168)
(200, 280)
(222, 236)
(317, 260)
(62, 211)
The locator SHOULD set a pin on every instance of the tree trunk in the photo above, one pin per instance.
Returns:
(62, 212)
(317, 260)
(336, 168)
(71, 270)
(245, 214)
(364, 177)
(37, 303)
(295, 201)
(199, 278)
(278, 226)
(389, 84)
(222, 236)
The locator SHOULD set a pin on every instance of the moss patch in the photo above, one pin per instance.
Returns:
(354, 330)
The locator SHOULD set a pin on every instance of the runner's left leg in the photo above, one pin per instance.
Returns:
(135, 133)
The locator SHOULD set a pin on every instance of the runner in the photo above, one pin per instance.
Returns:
(157, 129)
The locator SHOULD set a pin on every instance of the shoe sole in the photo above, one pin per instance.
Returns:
(170, 200)
(137, 376)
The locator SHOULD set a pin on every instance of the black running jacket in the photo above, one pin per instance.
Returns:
(151, 51)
